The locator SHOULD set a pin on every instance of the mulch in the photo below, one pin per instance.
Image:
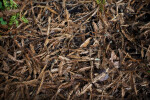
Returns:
(76, 49)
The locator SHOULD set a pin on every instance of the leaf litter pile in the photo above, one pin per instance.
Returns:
(77, 49)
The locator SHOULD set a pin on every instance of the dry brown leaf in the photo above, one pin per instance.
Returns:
(95, 26)
(100, 25)
(130, 9)
(86, 42)
(54, 70)
(113, 56)
(101, 77)
(105, 20)
(116, 64)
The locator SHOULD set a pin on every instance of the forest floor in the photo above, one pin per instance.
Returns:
(76, 49)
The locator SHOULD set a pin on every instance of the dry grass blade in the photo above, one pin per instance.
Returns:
(85, 89)
(84, 69)
(42, 72)
(40, 87)
(49, 22)
(30, 82)
(51, 10)
(60, 68)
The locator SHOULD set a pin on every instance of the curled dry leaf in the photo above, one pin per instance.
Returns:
(101, 77)
(95, 27)
(83, 45)
(116, 64)
(100, 25)
(113, 58)
(96, 43)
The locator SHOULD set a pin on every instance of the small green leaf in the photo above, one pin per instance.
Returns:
(11, 2)
(103, 1)
(98, 1)
(5, 3)
(10, 22)
(3, 22)
(24, 20)
(1, 5)
(17, 22)
(13, 17)
(17, 15)
(1, 18)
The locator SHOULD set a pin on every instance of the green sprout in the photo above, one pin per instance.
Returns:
(10, 4)
(101, 4)
(1, 7)
(2, 21)
(13, 20)
(24, 19)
